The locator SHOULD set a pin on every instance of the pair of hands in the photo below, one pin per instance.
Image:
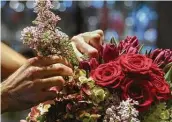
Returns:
(30, 84)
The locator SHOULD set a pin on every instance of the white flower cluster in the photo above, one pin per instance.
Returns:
(125, 112)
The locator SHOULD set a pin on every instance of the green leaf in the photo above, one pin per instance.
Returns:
(141, 47)
(113, 41)
(41, 118)
(148, 53)
(86, 120)
(168, 75)
(167, 67)
(123, 51)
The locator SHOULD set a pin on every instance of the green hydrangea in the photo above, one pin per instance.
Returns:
(99, 94)
(159, 113)
(79, 73)
(88, 81)
(87, 117)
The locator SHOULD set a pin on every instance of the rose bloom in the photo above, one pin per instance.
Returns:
(135, 63)
(139, 91)
(161, 89)
(146, 91)
(109, 75)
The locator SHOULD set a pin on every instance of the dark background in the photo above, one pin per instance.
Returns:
(150, 21)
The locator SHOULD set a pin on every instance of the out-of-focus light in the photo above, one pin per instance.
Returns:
(3, 3)
(62, 7)
(84, 4)
(92, 20)
(30, 4)
(128, 3)
(18, 35)
(153, 15)
(147, 48)
(56, 5)
(150, 35)
(5, 32)
(129, 21)
(20, 7)
(109, 33)
(68, 4)
(142, 17)
(14, 4)
(110, 2)
(97, 4)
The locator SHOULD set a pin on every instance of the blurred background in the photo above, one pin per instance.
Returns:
(150, 21)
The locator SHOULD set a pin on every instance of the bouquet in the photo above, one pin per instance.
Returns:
(123, 85)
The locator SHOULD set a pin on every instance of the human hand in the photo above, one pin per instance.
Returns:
(30, 84)
(88, 43)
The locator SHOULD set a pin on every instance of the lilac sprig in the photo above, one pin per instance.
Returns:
(45, 37)
(45, 18)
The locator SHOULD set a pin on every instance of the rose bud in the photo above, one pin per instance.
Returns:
(161, 57)
(84, 65)
(110, 52)
(129, 45)
(93, 63)
(89, 65)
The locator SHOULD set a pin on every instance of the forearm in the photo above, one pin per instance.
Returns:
(10, 60)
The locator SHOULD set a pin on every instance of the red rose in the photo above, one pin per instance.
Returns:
(109, 74)
(135, 63)
(110, 52)
(139, 91)
(130, 45)
(156, 70)
(160, 87)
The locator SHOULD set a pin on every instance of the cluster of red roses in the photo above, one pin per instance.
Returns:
(136, 76)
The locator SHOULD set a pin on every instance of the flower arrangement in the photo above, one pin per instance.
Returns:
(122, 86)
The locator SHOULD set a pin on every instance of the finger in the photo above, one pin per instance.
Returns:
(45, 61)
(50, 82)
(49, 71)
(100, 32)
(85, 48)
(78, 54)
(95, 41)
(94, 34)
